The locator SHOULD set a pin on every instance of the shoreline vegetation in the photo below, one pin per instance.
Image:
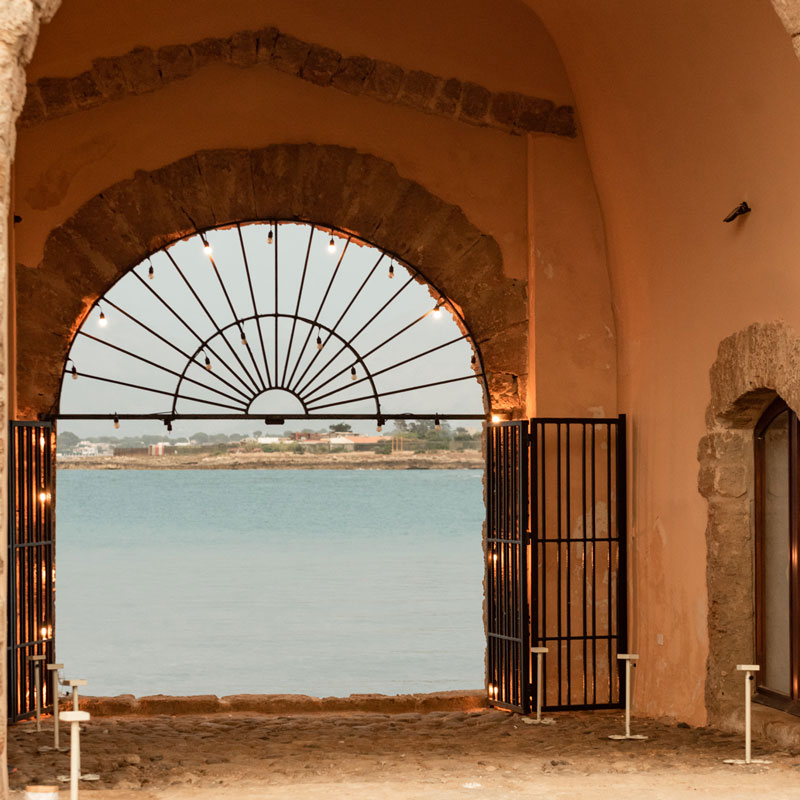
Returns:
(440, 459)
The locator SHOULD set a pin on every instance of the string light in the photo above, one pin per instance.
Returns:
(269, 236)
(168, 423)
(207, 248)
(151, 273)
(381, 423)
(243, 337)
(42, 441)
(208, 363)
(495, 419)
(473, 360)
(352, 373)
(437, 423)
(319, 342)
(437, 311)
(116, 421)
(331, 246)
(101, 320)
(391, 270)
(74, 372)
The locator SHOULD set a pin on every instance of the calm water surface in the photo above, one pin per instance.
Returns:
(323, 582)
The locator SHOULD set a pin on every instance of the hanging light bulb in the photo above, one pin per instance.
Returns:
(495, 419)
(331, 246)
(352, 373)
(391, 270)
(168, 423)
(243, 337)
(437, 423)
(207, 248)
(208, 363)
(74, 371)
(151, 273)
(437, 312)
(381, 423)
(101, 320)
(269, 237)
(319, 342)
(473, 360)
(116, 421)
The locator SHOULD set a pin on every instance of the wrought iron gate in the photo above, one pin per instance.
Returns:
(31, 563)
(556, 505)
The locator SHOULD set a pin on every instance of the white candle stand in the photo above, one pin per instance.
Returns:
(748, 670)
(75, 684)
(53, 669)
(37, 662)
(628, 658)
(540, 653)
(75, 718)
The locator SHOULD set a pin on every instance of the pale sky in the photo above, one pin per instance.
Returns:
(241, 371)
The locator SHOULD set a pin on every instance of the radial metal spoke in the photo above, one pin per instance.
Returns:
(341, 317)
(255, 306)
(216, 327)
(188, 328)
(316, 318)
(405, 361)
(394, 391)
(241, 332)
(159, 366)
(297, 307)
(158, 391)
(354, 337)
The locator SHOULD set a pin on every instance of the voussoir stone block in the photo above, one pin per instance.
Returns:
(244, 49)
(384, 81)
(418, 89)
(140, 70)
(56, 94)
(320, 65)
(210, 51)
(181, 180)
(108, 76)
(352, 73)
(449, 97)
(85, 90)
(228, 178)
(265, 43)
(474, 102)
(289, 54)
(175, 61)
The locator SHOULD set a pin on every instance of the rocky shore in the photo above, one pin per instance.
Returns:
(466, 459)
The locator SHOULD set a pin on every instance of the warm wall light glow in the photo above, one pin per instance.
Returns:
(495, 419)
(42, 441)
(42, 496)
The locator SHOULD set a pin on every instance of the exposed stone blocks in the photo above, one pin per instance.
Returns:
(143, 70)
(327, 185)
(752, 366)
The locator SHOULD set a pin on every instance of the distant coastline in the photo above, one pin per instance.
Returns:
(465, 459)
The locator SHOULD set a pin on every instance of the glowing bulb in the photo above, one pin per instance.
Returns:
(269, 238)
(495, 419)
(42, 497)
(437, 424)
(44, 632)
(319, 342)
(473, 360)
(381, 423)
(331, 246)
(437, 312)
(208, 363)
(116, 422)
(74, 372)
(244, 338)
(151, 272)
(208, 249)
(102, 321)
(494, 557)
(169, 426)
(391, 270)
(379, 428)
(41, 442)
(352, 373)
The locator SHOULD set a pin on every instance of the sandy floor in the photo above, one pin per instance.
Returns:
(486, 754)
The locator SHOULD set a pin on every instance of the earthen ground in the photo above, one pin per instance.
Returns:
(489, 754)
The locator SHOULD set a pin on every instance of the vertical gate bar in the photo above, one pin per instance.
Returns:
(502, 534)
(594, 567)
(489, 478)
(11, 589)
(559, 537)
(522, 558)
(533, 527)
(568, 545)
(541, 568)
(30, 636)
(609, 504)
(583, 567)
(622, 536)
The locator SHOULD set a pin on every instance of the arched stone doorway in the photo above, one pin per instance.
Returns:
(355, 192)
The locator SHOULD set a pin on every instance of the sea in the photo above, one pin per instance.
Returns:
(320, 582)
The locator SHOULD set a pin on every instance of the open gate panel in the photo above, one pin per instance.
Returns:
(556, 561)
(31, 564)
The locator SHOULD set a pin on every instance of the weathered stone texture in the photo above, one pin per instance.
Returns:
(752, 366)
(328, 185)
(142, 70)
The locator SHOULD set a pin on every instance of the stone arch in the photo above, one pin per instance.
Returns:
(752, 367)
(327, 185)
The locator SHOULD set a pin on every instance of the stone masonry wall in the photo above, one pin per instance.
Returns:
(19, 28)
(328, 185)
(144, 70)
(752, 366)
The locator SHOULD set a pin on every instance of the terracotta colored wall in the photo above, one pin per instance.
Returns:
(693, 108)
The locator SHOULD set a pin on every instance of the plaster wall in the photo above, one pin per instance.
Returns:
(692, 109)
